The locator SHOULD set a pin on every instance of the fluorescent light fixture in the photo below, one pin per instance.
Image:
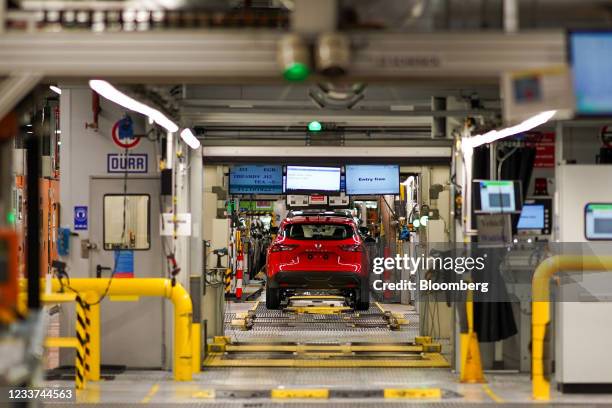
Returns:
(55, 89)
(189, 138)
(493, 135)
(113, 94)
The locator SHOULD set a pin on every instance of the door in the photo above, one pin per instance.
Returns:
(131, 331)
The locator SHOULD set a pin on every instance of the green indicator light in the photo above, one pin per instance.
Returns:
(416, 223)
(10, 217)
(424, 220)
(296, 72)
(315, 126)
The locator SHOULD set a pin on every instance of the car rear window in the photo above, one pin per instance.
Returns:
(319, 231)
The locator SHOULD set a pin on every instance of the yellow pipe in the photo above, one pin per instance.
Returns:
(150, 287)
(541, 308)
(62, 342)
(196, 358)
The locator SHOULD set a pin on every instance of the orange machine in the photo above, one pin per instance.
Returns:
(49, 221)
(8, 275)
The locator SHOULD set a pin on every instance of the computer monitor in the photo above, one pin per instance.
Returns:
(370, 179)
(532, 217)
(496, 196)
(310, 179)
(256, 179)
(598, 221)
(590, 55)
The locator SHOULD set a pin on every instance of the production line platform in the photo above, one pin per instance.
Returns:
(322, 331)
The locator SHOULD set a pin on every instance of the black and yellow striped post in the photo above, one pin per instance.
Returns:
(82, 335)
(228, 281)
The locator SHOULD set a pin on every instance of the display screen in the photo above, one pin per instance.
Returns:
(312, 179)
(372, 179)
(496, 196)
(591, 59)
(256, 179)
(598, 221)
(532, 217)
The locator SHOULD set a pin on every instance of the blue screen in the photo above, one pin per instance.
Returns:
(256, 179)
(532, 217)
(591, 69)
(372, 179)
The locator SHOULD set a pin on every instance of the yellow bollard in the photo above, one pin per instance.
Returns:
(196, 339)
(81, 360)
(94, 337)
(540, 308)
(150, 287)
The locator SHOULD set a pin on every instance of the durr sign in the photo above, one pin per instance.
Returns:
(130, 163)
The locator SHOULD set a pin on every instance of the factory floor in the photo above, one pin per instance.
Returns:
(256, 387)
(249, 387)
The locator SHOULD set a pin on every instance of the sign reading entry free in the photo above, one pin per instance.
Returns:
(133, 163)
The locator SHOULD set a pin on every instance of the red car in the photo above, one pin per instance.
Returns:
(318, 253)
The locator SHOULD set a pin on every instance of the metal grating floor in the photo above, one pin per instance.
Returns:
(278, 326)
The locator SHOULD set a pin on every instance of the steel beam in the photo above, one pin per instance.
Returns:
(236, 56)
(325, 151)
(14, 88)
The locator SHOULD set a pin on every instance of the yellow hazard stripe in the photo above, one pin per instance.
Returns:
(150, 394)
(299, 393)
(491, 394)
(413, 393)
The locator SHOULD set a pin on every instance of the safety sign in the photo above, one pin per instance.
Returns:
(123, 133)
(80, 217)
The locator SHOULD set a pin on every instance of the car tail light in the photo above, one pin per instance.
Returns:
(282, 248)
(351, 248)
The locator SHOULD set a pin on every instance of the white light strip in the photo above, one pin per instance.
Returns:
(524, 126)
(55, 89)
(113, 94)
(189, 138)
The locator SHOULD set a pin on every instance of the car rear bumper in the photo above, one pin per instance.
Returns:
(316, 280)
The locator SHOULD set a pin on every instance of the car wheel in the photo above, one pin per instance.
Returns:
(362, 300)
(272, 298)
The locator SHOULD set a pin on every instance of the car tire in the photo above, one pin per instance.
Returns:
(362, 300)
(273, 298)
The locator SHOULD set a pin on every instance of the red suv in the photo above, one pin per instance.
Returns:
(318, 253)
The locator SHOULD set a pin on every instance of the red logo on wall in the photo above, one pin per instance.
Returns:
(121, 139)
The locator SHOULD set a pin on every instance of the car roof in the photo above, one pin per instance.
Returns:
(319, 212)
(319, 220)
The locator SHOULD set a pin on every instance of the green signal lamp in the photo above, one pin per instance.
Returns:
(296, 72)
(315, 126)
(10, 217)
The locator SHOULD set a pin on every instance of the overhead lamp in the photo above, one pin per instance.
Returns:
(55, 89)
(493, 135)
(189, 138)
(113, 94)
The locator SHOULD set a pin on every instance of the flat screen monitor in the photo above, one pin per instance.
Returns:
(496, 196)
(256, 179)
(590, 54)
(536, 217)
(372, 179)
(532, 217)
(309, 179)
(598, 221)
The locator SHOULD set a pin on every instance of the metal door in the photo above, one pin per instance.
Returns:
(131, 331)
